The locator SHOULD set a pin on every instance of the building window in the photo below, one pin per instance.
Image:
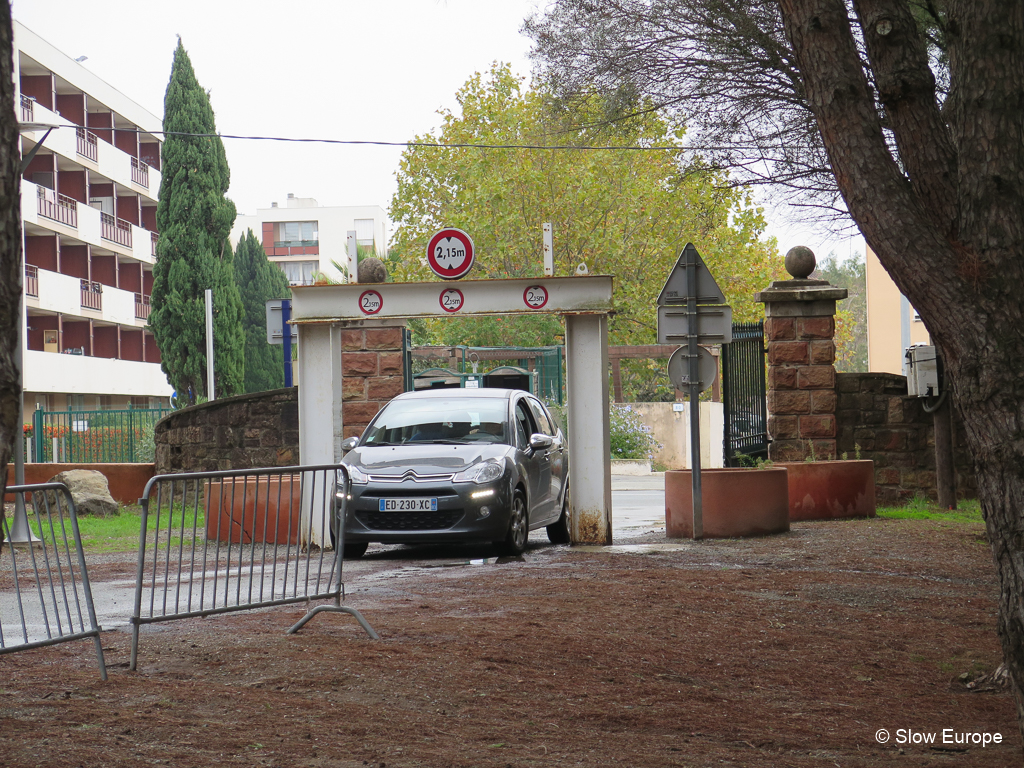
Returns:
(76, 402)
(290, 234)
(299, 272)
(364, 232)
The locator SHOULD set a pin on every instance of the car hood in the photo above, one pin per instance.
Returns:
(424, 458)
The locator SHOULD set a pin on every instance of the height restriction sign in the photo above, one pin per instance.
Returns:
(450, 253)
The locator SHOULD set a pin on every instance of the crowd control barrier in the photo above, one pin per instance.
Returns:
(45, 597)
(216, 542)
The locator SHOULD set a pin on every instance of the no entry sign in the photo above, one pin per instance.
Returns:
(450, 253)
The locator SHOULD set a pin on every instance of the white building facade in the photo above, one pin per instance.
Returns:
(88, 207)
(305, 239)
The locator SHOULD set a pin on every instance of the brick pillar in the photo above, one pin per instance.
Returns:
(372, 372)
(799, 332)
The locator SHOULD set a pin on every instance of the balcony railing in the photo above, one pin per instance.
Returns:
(31, 280)
(58, 207)
(92, 295)
(115, 230)
(87, 144)
(27, 109)
(153, 237)
(140, 173)
(142, 306)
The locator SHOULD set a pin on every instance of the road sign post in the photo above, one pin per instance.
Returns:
(684, 315)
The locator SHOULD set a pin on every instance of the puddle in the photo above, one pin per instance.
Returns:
(635, 549)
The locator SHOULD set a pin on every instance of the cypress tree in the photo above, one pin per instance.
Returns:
(193, 254)
(259, 281)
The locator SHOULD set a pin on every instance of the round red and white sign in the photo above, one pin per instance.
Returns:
(450, 253)
(452, 300)
(536, 296)
(370, 302)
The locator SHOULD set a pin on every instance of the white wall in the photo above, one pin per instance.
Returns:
(78, 374)
(671, 428)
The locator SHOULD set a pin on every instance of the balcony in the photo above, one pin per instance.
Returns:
(142, 306)
(88, 146)
(140, 173)
(116, 230)
(58, 207)
(31, 280)
(27, 109)
(92, 295)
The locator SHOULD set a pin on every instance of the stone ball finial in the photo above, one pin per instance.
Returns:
(800, 262)
(372, 270)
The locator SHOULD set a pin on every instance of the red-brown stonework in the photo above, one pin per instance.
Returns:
(384, 388)
(383, 338)
(359, 363)
(780, 329)
(390, 364)
(823, 401)
(353, 388)
(822, 352)
(352, 340)
(781, 402)
(360, 412)
(780, 377)
(818, 425)
(783, 427)
(816, 377)
(787, 352)
(815, 327)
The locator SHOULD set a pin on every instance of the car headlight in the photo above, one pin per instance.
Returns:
(356, 475)
(484, 472)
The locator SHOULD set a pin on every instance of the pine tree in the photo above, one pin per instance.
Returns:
(193, 254)
(259, 281)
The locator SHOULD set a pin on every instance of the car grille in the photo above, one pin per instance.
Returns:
(409, 521)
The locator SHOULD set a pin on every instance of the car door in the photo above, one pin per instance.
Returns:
(556, 453)
(537, 463)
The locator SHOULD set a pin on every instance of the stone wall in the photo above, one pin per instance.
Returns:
(876, 419)
(240, 432)
(372, 373)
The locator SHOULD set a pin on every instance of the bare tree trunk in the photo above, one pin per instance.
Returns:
(952, 236)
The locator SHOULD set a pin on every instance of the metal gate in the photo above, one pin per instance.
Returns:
(744, 396)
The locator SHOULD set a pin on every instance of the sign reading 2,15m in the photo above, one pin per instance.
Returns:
(450, 254)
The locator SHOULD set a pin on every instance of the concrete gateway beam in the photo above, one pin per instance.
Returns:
(320, 312)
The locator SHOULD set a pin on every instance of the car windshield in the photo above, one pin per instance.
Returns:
(454, 420)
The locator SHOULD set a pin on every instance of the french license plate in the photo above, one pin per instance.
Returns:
(409, 504)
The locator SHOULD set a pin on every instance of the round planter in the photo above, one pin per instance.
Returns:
(734, 502)
(831, 490)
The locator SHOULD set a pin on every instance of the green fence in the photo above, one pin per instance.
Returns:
(102, 437)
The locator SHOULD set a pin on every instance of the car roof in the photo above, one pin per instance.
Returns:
(458, 392)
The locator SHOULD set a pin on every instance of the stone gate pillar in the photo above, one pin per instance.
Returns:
(799, 331)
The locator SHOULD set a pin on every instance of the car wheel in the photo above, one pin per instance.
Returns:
(558, 531)
(518, 528)
(355, 550)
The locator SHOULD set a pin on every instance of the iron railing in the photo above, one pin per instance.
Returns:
(153, 237)
(58, 207)
(45, 597)
(88, 144)
(31, 280)
(27, 109)
(92, 295)
(744, 402)
(218, 542)
(115, 229)
(140, 173)
(101, 437)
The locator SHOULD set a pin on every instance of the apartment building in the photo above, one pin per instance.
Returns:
(304, 238)
(88, 206)
(893, 323)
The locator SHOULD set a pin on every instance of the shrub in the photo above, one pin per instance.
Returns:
(629, 437)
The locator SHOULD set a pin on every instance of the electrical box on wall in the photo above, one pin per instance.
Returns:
(922, 371)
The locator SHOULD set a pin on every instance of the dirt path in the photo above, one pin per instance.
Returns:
(787, 651)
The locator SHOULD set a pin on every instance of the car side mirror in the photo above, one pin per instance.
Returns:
(349, 443)
(539, 442)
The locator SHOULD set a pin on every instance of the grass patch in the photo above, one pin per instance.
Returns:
(920, 508)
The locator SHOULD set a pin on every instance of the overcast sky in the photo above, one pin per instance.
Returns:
(375, 70)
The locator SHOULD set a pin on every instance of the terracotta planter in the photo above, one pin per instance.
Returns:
(830, 490)
(238, 513)
(735, 502)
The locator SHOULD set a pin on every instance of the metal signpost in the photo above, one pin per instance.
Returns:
(684, 314)
(279, 331)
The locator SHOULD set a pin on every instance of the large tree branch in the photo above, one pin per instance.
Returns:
(906, 89)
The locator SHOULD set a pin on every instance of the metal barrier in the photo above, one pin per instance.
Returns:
(237, 540)
(44, 586)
